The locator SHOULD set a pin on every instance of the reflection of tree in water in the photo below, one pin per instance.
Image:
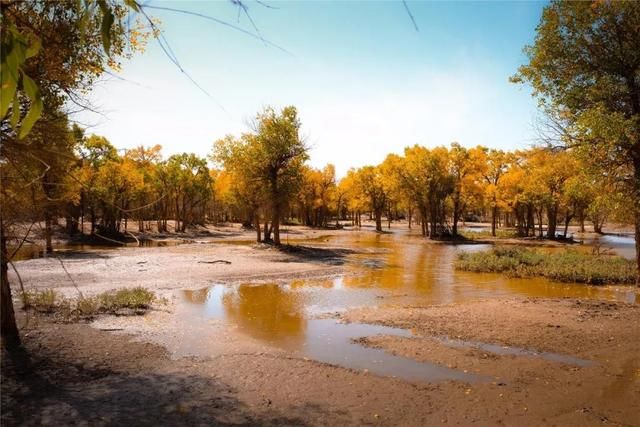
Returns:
(197, 296)
(267, 312)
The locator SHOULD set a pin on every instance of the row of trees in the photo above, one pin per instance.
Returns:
(262, 179)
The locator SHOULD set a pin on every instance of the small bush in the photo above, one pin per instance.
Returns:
(567, 266)
(68, 309)
(482, 234)
(88, 306)
(40, 300)
(134, 298)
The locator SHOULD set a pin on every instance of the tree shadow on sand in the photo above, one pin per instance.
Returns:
(300, 253)
(43, 390)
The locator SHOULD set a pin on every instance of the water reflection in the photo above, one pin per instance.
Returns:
(31, 251)
(385, 269)
(275, 314)
(423, 272)
(270, 313)
(623, 245)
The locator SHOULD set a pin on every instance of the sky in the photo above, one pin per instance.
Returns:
(365, 82)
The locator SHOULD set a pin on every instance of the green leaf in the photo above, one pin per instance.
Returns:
(31, 118)
(107, 23)
(7, 92)
(14, 60)
(34, 47)
(30, 87)
(15, 114)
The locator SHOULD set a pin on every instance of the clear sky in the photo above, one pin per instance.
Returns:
(364, 81)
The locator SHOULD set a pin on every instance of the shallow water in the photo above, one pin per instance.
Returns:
(387, 269)
(620, 244)
(275, 315)
(516, 351)
(29, 251)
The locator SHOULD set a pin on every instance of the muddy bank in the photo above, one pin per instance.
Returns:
(558, 361)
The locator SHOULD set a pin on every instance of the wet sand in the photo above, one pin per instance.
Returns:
(165, 368)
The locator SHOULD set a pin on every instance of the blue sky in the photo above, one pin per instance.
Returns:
(364, 81)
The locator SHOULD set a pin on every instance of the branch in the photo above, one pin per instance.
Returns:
(406, 7)
(221, 22)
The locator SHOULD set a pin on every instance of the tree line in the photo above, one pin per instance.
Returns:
(262, 178)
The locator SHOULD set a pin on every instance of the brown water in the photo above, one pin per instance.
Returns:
(388, 269)
(29, 251)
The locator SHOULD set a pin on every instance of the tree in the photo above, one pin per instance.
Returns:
(497, 163)
(50, 53)
(465, 167)
(189, 188)
(584, 67)
(549, 170)
(279, 153)
(269, 162)
(369, 183)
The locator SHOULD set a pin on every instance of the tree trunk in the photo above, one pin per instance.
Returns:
(9, 329)
(275, 224)
(47, 231)
(597, 225)
(637, 218)
(552, 219)
(378, 215)
(257, 225)
(456, 217)
(567, 220)
(636, 176)
(494, 213)
(267, 232)
(539, 212)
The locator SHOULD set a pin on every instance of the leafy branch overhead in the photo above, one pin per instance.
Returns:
(21, 43)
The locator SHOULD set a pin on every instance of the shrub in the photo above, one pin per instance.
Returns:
(112, 302)
(40, 300)
(566, 266)
(482, 234)
(134, 298)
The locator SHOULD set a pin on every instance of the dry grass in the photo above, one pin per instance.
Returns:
(119, 302)
(566, 266)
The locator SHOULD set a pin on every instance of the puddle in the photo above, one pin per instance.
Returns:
(29, 251)
(332, 342)
(276, 315)
(516, 351)
(620, 244)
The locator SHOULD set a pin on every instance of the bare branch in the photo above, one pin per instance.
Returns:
(69, 276)
(221, 22)
(413, 20)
